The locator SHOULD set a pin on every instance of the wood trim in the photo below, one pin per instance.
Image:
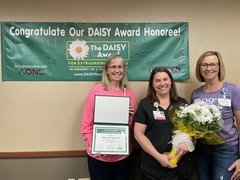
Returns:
(43, 154)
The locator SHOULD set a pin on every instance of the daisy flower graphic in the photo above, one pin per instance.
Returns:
(78, 49)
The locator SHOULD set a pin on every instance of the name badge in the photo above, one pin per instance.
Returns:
(159, 115)
(224, 102)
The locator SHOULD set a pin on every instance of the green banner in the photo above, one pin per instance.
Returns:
(42, 51)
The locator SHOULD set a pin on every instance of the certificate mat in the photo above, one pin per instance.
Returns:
(110, 139)
(111, 109)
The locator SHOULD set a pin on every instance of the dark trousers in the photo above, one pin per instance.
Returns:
(144, 177)
(100, 170)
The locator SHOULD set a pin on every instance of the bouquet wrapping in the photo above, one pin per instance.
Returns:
(198, 120)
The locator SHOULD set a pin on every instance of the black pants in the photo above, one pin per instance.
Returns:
(100, 170)
(144, 177)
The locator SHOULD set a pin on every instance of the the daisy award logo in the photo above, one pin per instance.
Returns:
(78, 50)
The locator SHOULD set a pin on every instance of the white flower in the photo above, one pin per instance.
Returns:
(198, 120)
(205, 116)
(215, 111)
(78, 49)
(201, 112)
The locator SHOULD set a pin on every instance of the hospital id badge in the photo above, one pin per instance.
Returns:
(224, 102)
(159, 115)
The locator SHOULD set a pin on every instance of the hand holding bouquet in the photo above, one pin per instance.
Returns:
(198, 120)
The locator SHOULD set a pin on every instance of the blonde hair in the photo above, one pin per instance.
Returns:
(221, 74)
(105, 77)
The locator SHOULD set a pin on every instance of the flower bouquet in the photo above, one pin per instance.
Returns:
(198, 120)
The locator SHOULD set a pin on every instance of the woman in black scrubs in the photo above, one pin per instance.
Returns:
(153, 130)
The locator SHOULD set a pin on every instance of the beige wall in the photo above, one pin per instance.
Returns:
(45, 116)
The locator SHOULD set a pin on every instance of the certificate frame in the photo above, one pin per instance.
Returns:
(110, 139)
(111, 109)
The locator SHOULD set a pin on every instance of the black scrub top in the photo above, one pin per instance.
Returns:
(159, 132)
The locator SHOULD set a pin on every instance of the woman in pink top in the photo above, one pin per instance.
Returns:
(114, 83)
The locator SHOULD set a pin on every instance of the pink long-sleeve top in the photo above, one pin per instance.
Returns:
(87, 119)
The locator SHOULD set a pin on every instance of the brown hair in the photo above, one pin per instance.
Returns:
(151, 93)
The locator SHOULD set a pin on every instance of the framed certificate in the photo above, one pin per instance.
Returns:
(110, 129)
(111, 109)
(108, 139)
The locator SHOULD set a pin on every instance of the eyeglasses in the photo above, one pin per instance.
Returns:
(115, 67)
(212, 66)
